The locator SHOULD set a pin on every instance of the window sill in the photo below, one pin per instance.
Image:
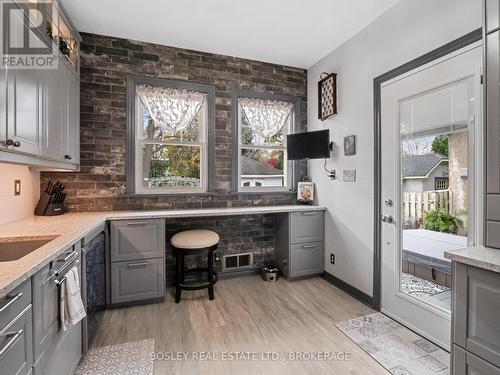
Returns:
(265, 192)
(155, 194)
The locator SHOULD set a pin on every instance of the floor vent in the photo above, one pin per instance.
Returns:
(237, 261)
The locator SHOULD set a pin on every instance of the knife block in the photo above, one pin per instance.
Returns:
(46, 206)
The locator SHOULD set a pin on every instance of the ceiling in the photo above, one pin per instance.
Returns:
(289, 32)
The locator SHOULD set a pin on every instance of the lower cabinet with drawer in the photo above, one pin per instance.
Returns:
(137, 254)
(55, 351)
(476, 320)
(16, 343)
(299, 244)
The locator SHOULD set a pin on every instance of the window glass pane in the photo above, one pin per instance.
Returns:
(155, 133)
(249, 137)
(262, 168)
(171, 166)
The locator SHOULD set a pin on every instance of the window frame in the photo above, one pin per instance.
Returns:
(134, 145)
(291, 167)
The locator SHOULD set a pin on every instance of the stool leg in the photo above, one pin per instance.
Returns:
(211, 275)
(179, 276)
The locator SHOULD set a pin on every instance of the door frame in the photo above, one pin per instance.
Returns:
(437, 53)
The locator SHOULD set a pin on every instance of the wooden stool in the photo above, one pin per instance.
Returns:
(194, 242)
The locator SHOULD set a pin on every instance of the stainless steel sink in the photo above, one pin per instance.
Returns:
(14, 248)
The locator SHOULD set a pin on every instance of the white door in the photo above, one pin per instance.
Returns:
(430, 175)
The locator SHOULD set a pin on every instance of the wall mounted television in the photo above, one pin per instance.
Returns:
(308, 145)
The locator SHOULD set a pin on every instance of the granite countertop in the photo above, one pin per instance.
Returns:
(70, 228)
(478, 256)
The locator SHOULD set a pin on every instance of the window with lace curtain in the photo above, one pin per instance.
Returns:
(263, 122)
(171, 130)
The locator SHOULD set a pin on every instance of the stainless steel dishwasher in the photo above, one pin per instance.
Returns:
(94, 281)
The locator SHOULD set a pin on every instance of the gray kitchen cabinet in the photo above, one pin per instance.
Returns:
(54, 349)
(475, 323)
(306, 259)
(493, 113)
(137, 239)
(25, 110)
(307, 226)
(39, 108)
(137, 280)
(16, 345)
(492, 8)
(299, 244)
(465, 363)
(55, 110)
(72, 112)
(137, 256)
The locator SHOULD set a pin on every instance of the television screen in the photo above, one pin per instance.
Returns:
(309, 145)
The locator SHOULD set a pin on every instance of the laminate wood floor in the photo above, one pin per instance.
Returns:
(247, 315)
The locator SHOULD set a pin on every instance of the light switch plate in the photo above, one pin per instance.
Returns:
(349, 175)
(17, 187)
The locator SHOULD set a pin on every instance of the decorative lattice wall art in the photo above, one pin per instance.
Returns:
(327, 95)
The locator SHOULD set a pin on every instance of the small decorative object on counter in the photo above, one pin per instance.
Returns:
(270, 273)
(305, 192)
(51, 202)
(327, 95)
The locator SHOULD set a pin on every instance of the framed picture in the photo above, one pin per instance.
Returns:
(327, 95)
(350, 145)
(305, 191)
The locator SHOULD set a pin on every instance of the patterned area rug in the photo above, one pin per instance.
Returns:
(395, 347)
(131, 358)
(417, 287)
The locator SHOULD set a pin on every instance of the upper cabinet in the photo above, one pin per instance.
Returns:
(492, 8)
(40, 108)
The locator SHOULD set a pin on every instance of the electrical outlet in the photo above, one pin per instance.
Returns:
(17, 187)
(332, 258)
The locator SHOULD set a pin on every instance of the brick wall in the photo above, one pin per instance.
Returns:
(238, 234)
(105, 64)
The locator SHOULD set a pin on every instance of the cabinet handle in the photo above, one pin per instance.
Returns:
(308, 213)
(14, 336)
(137, 223)
(309, 246)
(67, 157)
(137, 265)
(11, 299)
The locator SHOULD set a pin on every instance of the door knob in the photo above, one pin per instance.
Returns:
(387, 219)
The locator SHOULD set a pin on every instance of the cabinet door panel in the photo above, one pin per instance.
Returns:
(465, 363)
(492, 113)
(46, 310)
(72, 154)
(306, 259)
(55, 99)
(137, 239)
(25, 115)
(492, 14)
(137, 280)
(3, 106)
(306, 226)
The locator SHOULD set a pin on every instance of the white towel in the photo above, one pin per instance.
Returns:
(71, 307)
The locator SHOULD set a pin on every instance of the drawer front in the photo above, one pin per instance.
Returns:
(306, 259)
(16, 341)
(137, 239)
(306, 226)
(137, 280)
(465, 363)
(14, 302)
(492, 14)
(477, 302)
